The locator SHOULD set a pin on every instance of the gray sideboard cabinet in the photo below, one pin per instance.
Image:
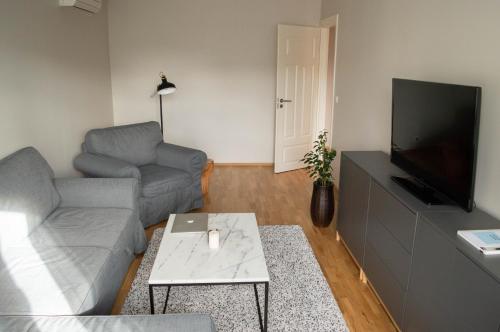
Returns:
(427, 278)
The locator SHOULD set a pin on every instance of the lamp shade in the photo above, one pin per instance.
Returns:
(165, 87)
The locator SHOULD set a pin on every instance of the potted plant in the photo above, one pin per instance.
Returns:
(318, 163)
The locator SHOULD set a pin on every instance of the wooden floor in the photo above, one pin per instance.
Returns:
(283, 199)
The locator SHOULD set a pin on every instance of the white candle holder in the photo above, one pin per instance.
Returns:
(213, 239)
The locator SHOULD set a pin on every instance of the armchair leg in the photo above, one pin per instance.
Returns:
(205, 176)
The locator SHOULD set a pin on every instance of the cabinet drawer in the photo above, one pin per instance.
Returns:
(395, 216)
(390, 251)
(386, 285)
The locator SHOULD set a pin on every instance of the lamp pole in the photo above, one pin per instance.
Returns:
(164, 88)
(161, 115)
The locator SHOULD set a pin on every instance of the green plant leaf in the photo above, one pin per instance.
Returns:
(319, 160)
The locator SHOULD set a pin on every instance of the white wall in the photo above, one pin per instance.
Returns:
(221, 54)
(54, 78)
(455, 41)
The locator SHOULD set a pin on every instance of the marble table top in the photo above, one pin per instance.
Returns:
(185, 258)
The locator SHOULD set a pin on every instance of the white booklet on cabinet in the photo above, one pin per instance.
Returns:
(487, 240)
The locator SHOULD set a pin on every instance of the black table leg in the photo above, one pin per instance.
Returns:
(151, 300)
(258, 307)
(262, 321)
(263, 316)
(166, 300)
(266, 303)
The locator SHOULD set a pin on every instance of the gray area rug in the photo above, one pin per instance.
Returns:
(299, 296)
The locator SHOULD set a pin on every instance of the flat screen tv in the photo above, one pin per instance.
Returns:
(435, 129)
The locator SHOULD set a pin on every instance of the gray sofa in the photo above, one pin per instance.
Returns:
(65, 245)
(169, 175)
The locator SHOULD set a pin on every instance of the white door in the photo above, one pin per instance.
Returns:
(297, 94)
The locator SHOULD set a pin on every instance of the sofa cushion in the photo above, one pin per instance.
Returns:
(157, 180)
(86, 252)
(93, 227)
(27, 193)
(136, 323)
(50, 280)
(134, 143)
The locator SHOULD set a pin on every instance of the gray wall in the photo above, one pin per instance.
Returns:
(54, 78)
(455, 41)
(222, 56)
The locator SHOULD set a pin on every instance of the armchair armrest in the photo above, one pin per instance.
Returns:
(98, 192)
(186, 159)
(103, 166)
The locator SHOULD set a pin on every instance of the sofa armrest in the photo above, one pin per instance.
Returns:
(103, 166)
(118, 323)
(98, 192)
(189, 160)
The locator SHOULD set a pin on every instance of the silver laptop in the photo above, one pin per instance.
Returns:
(190, 223)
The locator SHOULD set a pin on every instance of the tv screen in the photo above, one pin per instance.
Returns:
(434, 135)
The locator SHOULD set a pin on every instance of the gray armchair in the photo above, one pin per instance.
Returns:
(169, 175)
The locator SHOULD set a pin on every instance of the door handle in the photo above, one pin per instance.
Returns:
(284, 101)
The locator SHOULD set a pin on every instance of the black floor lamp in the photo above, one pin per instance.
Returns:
(164, 88)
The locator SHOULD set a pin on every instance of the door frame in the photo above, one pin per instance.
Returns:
(326, 24)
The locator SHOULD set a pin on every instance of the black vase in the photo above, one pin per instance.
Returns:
(322, 204)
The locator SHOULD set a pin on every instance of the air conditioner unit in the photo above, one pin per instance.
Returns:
(92, 6)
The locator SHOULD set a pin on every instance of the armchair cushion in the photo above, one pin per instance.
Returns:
(105, 167)
(27, 193)
(189, 160)
(135, 144)
(157, 180)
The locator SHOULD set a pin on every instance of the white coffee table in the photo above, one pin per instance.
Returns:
(185, 259)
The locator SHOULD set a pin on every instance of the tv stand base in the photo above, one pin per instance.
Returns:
(422, 192)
